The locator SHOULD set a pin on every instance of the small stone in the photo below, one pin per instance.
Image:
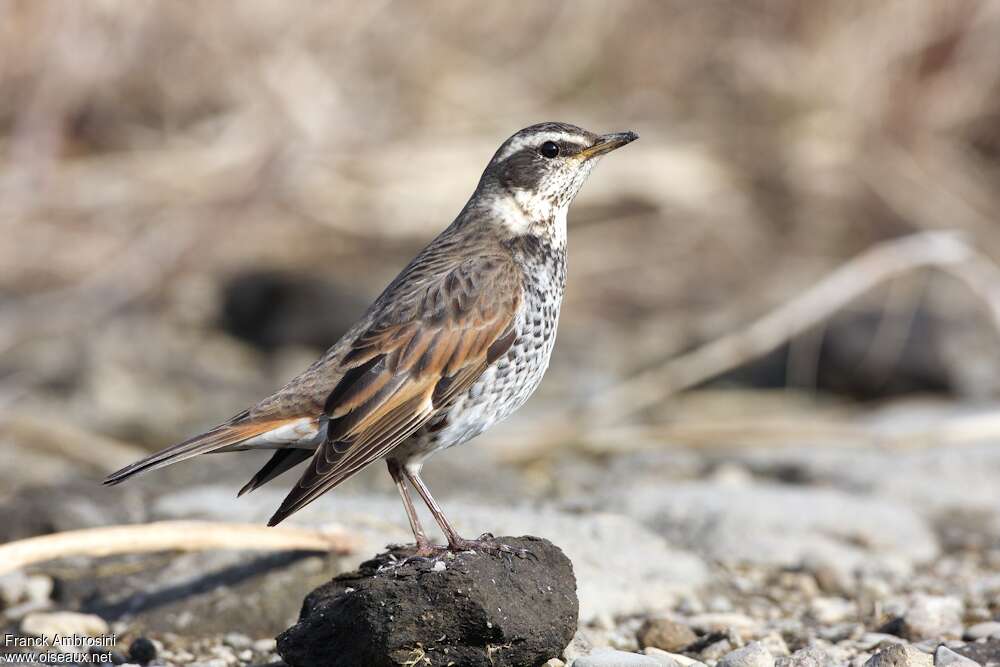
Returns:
(717, 650)
(982, 630)
(38, 589)
(932, 617)
(245, 656)
(237, 641)
(752, 655)
(672, 659)
(265, 645)
(612, 658)
(811, 656)
(216, 662)
(142, 651)
(722, 622)
(439, 566)
(580, 645)
(46, 624)
(666, 634)
(13, 588)
(775, 644)
(554, 662)
(224, 653)
(945, 657)
(831, 577)
(900, 655)
(830, 610)
(985, 652)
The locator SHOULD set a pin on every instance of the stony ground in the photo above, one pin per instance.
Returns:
(826, 554)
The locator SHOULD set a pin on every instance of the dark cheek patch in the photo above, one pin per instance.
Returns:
(522, 170)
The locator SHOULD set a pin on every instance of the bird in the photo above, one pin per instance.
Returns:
(454, 344)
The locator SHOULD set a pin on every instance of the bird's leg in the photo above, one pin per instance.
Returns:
(456, 542)
(424, 546)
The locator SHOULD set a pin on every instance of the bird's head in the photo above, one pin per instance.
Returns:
(535, 174)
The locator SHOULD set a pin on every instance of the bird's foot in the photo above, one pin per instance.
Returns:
(487, 543)
(421, 552)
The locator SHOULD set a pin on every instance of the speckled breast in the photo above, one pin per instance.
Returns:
(508, 383)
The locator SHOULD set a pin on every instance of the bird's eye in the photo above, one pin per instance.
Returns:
(549, 149)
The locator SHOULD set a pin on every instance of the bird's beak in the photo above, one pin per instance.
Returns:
(607, 143)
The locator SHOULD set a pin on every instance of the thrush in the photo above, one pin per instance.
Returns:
(457, 342)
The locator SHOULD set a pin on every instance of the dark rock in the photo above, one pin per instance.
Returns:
(472, 609)
(142, 651)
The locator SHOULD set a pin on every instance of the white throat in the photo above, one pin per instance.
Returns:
(522, 213)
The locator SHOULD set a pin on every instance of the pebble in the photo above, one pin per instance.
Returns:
(245, 656)
(142, 651)
(581, 645)
(554, 662)
(721, 622)
(670, 659)
(613, 658)
(666, 634)
(717, 650)
(237, 640)
(830, 610)
(64, 623)
(982, 630)
(17, 588)
(900, 655)
(217, 662)
(264, 646)
(38, 589)
(811, 656)
(752, 655)
(932, 617)
(12, 588)
(945, 657)
(775, 644)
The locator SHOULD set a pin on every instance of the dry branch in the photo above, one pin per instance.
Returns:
(171, 536)
(946, 251)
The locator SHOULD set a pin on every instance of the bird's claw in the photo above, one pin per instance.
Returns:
(488, 543)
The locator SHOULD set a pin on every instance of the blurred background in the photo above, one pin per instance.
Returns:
(197, 198)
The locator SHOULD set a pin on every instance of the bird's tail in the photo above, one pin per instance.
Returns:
(226, 435)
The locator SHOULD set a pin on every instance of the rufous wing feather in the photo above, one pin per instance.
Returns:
(415, 359)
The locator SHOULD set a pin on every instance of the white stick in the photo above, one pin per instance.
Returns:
(171, 536)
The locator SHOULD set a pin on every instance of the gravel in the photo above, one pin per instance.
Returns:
(613, 658)
(751, 655)
(900, 655)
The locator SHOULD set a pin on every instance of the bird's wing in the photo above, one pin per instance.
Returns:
(434, 337)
